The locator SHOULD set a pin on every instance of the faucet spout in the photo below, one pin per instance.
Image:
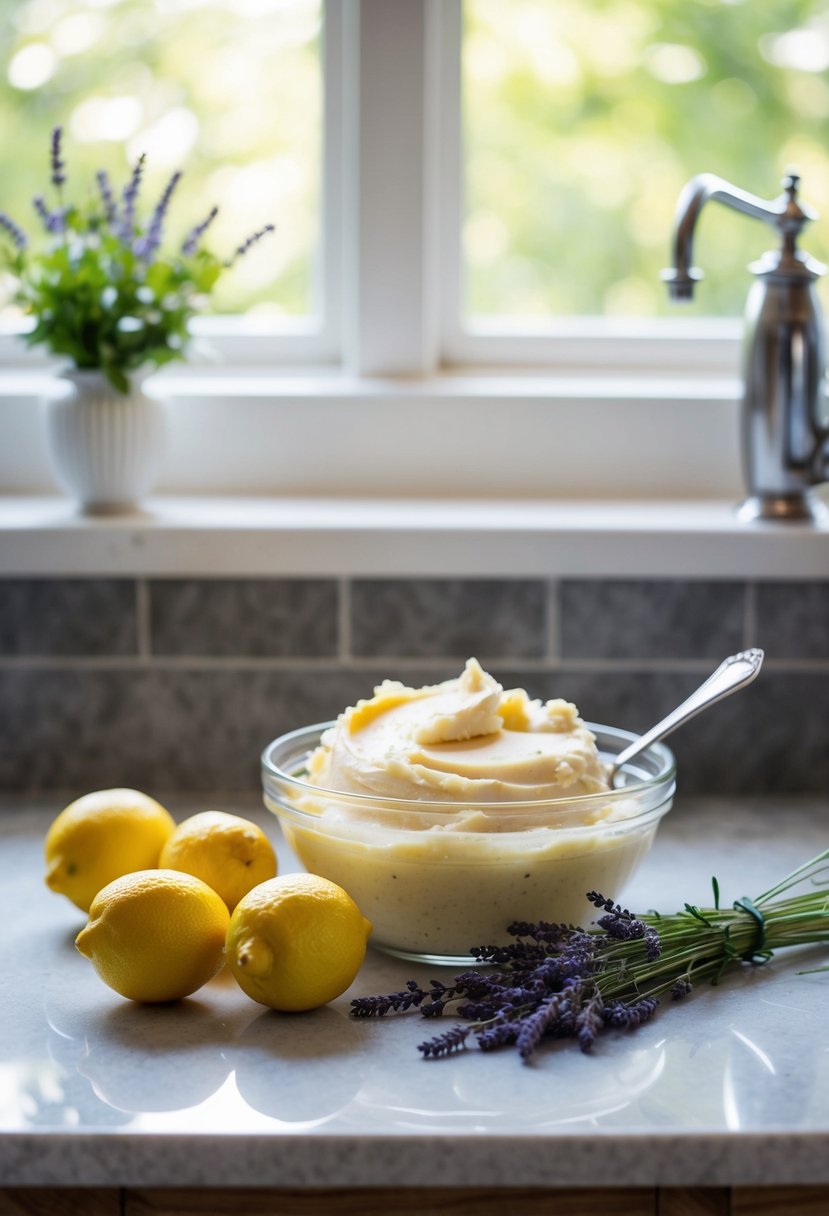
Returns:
(784, 212)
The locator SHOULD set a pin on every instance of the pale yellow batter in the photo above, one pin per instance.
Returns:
(466, 740)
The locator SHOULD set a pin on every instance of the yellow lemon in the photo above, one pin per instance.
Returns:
(101, 836)
(155, 935)
(296, 942)
(230, 854)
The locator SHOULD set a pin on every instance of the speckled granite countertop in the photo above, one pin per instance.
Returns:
(730, 1086)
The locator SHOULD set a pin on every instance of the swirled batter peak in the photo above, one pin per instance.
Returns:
(466, 740)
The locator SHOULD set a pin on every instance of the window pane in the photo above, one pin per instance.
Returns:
(230, 91)
(583, 119)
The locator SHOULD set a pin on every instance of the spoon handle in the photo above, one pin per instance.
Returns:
(733, 673)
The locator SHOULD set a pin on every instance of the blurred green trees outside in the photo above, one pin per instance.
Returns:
(583, 119)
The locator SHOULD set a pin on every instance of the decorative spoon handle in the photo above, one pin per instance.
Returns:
(733, 673)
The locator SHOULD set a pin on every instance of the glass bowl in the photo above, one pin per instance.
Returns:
(437, 878)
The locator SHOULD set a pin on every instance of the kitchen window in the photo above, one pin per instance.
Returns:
(446, 257)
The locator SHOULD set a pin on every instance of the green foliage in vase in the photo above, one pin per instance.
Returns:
(99, 287)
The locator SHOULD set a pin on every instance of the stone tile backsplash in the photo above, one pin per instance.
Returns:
(243, 617)
(71, 616)
(794, 618)
(674, 619)
(448, 618)
(174, 684)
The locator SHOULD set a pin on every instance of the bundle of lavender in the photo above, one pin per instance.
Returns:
(557, 981)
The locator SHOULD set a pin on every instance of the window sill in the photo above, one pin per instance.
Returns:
(501, 435)
(263, 537)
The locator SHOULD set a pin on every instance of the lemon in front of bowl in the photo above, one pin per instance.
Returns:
(296, 942)
(101, 836)
(231, 854)
(155, 935)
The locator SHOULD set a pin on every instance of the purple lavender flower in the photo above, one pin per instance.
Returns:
(619, 1015)
(39, 204)
(129, 201)
(624, 929)
(545, 938)
(498, 1034)
(378, 1006)
(191, 242)
(479, 1011)
(107, 197)
(624, 926)
(599, 901)
(681, 988)
(58, 166)
(589, 1021)
(542, 931)
(442, 1044)
(53, 221)
(653, 944)
(16, 233)
(533, 1028)
(246, 245)
(147, 244)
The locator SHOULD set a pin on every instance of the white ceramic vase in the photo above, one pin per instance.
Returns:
(105, 446)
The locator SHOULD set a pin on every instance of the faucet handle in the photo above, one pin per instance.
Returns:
(793, 215)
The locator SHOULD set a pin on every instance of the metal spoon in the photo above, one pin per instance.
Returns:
(733, 673)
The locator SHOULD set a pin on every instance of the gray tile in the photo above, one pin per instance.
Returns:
(250, 617)
(156, 729)
(67, 616)
(772, 737)
(432, 618)
(793, 620)
(670, 619)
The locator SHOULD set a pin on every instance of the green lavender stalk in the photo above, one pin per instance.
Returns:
(702, 943)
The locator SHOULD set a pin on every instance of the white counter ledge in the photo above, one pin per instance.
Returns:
(244, 536)
(727, 1088)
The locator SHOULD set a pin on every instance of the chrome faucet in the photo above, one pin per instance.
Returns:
(785, 417)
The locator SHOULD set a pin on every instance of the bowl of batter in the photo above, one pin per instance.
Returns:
(449, 811)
